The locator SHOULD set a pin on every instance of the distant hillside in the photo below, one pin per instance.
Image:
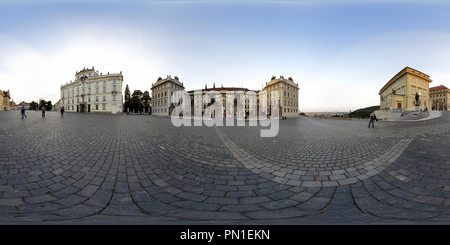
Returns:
(364, 112)
(370, 108)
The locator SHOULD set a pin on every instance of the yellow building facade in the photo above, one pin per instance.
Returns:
(5, 99)
(440, 96)
(399, 93)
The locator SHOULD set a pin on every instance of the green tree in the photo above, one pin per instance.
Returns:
(41, 104)
(127, 97)
(146, 100)
(33, 105)
(136, 101)
(48, 105)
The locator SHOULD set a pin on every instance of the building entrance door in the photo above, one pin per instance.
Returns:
(89, 108)
(399, 105)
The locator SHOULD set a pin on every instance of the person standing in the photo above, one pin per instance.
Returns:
(23, 112)
(370, 120)
(375, 119)
(62, 110)
(43, 111)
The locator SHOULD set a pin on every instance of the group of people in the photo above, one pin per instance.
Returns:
(373, 120)
(22, 112)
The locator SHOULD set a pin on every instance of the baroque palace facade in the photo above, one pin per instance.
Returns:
(213, 101)
(93, 92)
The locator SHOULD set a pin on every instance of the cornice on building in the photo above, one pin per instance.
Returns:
(434, 89)
(93, 78)
(406, 70)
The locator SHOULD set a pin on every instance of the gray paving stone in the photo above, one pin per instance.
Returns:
(335, 168)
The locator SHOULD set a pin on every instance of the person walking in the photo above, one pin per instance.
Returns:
(370, 120)
(375, 119)
(23, 112)
(43, 111)
(62, 110)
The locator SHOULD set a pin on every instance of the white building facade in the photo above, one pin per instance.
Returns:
(93, 92)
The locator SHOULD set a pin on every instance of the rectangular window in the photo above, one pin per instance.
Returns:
(96, 90)
(104, 98)
(104, 89)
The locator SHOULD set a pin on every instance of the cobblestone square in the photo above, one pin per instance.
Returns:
(140, 169)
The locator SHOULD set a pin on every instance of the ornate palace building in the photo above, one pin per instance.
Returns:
(399, 92)
(93, 92)
(439, 97)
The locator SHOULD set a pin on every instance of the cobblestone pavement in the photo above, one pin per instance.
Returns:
(140, 169)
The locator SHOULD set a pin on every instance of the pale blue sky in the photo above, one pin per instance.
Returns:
(339, 52)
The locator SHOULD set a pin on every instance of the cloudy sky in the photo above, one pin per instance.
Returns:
(339, 52)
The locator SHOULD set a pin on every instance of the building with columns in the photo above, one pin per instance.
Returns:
(227, 100)
(224, 100)
(93, 92)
